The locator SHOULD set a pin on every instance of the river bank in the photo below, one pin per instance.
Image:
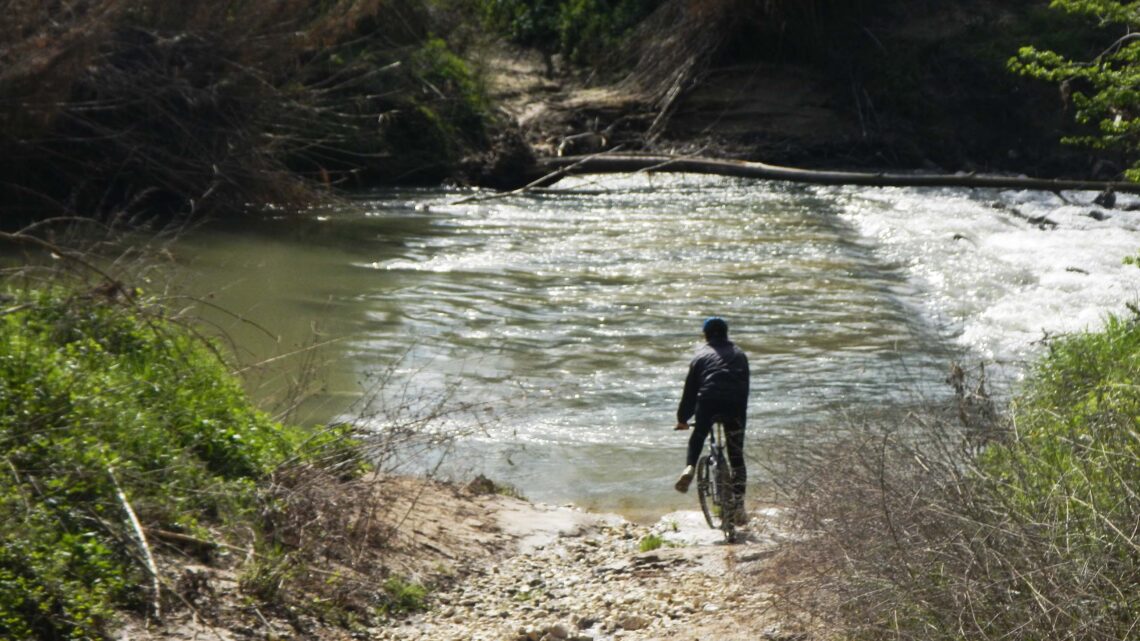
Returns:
(258, 530)
(910, 87)
(444, 561)
(503, 568)
(365, 94)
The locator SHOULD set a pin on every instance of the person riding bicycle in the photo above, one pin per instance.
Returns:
(717, 385)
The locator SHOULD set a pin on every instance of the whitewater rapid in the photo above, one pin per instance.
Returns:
(1003, 270)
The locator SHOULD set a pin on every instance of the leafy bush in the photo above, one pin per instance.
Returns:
(583, 30)
(436, 131)
(532, 24)
(1074, 462)
(1102, 90)
(98, 396)
(1020, 528)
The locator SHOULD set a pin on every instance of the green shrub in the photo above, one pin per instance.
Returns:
(650, 542)
(94, 394)
(1068, 480)
(1076, 457)
(464, 110)
(583, 30)
(1021, 527)
(533, 24)
(590, 28)
(403, 596)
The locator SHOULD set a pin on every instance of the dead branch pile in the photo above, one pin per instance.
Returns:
(673, 47)
(116, 107)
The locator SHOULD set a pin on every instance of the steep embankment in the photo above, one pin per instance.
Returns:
(898, 86)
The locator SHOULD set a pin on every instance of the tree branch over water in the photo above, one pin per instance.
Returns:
(627, 163)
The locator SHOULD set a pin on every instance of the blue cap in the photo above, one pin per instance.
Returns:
(715, 325)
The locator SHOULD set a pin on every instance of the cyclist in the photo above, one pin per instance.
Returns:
(717, 385)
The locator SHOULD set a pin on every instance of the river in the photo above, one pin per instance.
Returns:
(554, 329)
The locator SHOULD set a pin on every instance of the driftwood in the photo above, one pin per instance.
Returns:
(144, 547)
(629, 163)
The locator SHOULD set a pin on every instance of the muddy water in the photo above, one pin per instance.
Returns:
(556, 328)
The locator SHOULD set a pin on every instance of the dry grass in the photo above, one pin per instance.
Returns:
(123, 108)
(910, 531)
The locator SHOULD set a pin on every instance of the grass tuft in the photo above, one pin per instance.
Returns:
(650, 542)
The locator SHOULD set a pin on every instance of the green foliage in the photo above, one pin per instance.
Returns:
(403, 596)
(590, 28)
(650, 542)
(533, 24)
(56, 583)
(583, 30)
(465, 108)
(1069, 476)
(1019, 528)
(93, 393)
(1077, 453)
(1104, 90)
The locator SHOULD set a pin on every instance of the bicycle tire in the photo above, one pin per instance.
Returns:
(705, 489)
(725, 498)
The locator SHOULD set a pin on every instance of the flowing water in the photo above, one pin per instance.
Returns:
(558, 326)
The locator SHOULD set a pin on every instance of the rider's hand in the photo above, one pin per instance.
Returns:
(681, 426)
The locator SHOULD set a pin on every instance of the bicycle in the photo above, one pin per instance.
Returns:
(715, 483)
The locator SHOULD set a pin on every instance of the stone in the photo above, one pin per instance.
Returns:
(633, 622)
(594, 587)
(585, 623)
(558, 631)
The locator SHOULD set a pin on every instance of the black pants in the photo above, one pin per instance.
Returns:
(734, 415)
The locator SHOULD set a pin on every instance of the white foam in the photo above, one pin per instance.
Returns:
(1006, 268)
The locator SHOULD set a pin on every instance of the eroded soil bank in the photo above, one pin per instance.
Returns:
(920, 86)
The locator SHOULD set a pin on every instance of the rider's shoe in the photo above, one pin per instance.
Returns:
(683, 481)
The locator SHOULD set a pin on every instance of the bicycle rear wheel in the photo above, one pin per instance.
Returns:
(705, 489)
(725, 500)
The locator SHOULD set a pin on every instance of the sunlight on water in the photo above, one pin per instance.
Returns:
(1001, 281)
(569, 317)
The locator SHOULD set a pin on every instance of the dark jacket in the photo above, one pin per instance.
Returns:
(718, 372)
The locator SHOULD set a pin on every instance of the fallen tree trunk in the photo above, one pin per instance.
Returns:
(630, 163)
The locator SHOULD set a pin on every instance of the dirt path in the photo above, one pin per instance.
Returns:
(560, 573)
(505, 569)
